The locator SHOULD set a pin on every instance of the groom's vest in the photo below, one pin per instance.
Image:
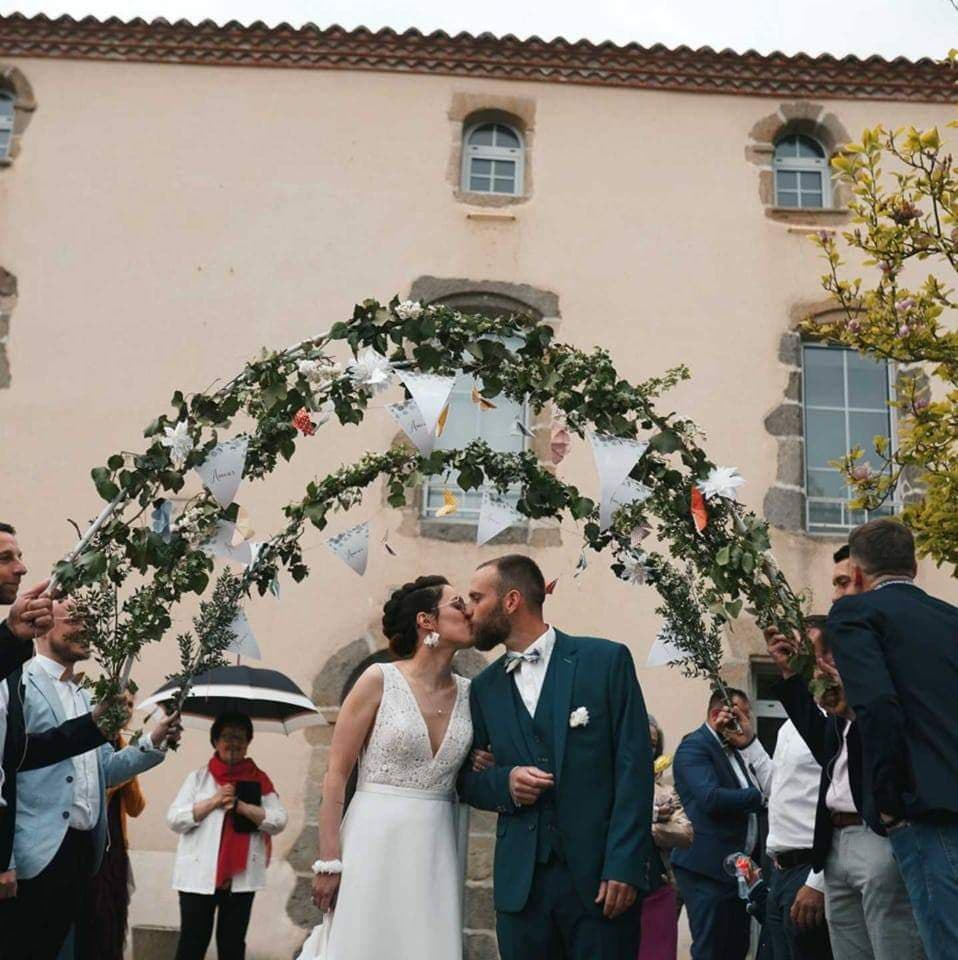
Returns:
(539, 735)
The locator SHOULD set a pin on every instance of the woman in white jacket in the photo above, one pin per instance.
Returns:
(225, 814)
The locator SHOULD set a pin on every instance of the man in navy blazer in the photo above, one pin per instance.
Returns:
(572, 777)
(722, 799)
(897, 650)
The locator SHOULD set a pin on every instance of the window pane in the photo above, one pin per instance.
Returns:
(506, 138)
(824, 436)
(811, 181)
(482, 136)
(787, 198)
(807, 147)
(863, 428)
(826, 483)
(786, 147)
(480, 184)
(824, 385)
(812, 201)
(787, 180)
(867, 382)
(480, 166)
(505, 186)
(824, 514)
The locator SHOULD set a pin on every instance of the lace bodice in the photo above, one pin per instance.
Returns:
(399, 752)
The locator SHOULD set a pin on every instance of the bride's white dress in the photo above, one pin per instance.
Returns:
(400, 894)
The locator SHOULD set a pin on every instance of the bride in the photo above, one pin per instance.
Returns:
(388, 874)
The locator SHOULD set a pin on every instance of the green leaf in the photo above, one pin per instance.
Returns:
(339, 331)
(734, 607)
(581, 507)
(115, 462)
(722, 557)
(668, 441)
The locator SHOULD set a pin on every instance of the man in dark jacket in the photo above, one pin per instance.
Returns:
(30, 614)
(897, 649)
(722, 798)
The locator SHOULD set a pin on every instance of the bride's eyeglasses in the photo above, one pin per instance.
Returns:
(457, 603)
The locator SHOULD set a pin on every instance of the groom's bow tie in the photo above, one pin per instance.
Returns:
(514, 659)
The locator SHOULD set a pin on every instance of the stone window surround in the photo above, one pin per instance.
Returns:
(8, 300)
(13, 80)
(521, 298)
(468, 109)
(807, 118)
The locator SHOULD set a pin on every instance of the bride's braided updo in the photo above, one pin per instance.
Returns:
(402, 608)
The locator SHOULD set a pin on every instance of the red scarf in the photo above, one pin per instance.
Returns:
(234, 846)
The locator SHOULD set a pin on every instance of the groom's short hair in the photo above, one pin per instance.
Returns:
(519, 572)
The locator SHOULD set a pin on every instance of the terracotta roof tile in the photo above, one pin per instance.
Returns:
(485, 55)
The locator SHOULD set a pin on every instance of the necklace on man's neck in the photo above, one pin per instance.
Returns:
(909, 581)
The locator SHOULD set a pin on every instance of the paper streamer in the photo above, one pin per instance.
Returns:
(244, 643)
(614, 459)
(413, 423)
(352, 546)
(431, 393)
(665, 650)
(221, 544)
(495, 515)
(222, 470)
(160, 520)
(629, 491)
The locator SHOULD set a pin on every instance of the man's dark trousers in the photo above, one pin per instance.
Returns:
(787, 941)
(718, 919)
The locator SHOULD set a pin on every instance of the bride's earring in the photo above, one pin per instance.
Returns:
(431, 639)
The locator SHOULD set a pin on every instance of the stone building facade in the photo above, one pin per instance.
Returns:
(174, 197)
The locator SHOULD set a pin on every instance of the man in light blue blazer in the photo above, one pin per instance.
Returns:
(61, 830)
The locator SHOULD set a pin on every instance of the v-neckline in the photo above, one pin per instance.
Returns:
(422, 716)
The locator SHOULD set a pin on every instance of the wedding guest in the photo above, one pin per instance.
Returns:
(671, 829)
(104, 926)
(60, 818)
(30, 614)
(722, 799)
(866, 904)
(226, 814)
(897, 649)
(842, 583)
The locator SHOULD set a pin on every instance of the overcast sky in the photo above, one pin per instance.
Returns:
(913, 28)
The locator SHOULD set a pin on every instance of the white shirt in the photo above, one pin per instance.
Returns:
(529, 677)
(790, 782)
(85, 810)
(750, 755)
(839, 797)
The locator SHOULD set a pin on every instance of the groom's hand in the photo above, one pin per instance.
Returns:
(616, 897)
(526, 784)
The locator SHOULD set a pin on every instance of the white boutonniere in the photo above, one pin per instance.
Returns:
(579, 717)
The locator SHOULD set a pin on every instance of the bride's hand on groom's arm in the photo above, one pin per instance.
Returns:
(325, 888)
(527, 783)
(482, 760)
(616, 897)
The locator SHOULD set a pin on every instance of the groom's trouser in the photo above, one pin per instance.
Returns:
(556, 924)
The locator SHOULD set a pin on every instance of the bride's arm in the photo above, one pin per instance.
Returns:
(353, 725)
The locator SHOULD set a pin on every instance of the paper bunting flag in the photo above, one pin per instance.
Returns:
(482, 402)
(222, 470)
(629, 491)
(664, 650)
(352, 547)
(244, 527)
(560, 442)
(495, 515)
(450, 504)
(551, 587)
(160, 520)
(274, 587)
(614, 459)
(244, 643)
(639, 534)
(443, 417)
(410, 419)
(700, 513)
(580, 567)
(520, 428)
(221, 544)
(387, 547)
(431, 393)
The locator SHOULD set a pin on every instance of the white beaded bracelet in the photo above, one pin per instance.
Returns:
(328, 866)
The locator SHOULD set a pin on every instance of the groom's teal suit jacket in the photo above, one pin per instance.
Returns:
(603, 794)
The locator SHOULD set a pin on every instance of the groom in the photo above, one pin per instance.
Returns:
(572, 781)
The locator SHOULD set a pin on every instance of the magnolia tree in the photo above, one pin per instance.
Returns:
(905, 207)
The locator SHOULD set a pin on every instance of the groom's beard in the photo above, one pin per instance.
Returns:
(495, 629)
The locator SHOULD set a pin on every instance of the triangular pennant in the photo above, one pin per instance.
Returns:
(443, 419)
(614, 459)
(484, 403)
(700, 513)
(352, 546)
(551, 587)
(221, 544)
(431, 393)
(222, 470)
(410, 419)
(559, 442)
(450, 504)
(244, 643)
(664, 650)
(495, 515)
(160, 520)
(629, 491)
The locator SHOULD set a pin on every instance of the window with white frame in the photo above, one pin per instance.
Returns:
(845, 403)
(468, 421)
(492, 159)
(801, 173)
(768, 712)
(7, 112)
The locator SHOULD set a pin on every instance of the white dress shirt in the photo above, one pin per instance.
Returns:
(790, 782)
(750, 755)
(839, 797)
(85, 810)
(529, 677)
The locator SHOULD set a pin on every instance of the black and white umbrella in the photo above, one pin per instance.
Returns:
(269, 698)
